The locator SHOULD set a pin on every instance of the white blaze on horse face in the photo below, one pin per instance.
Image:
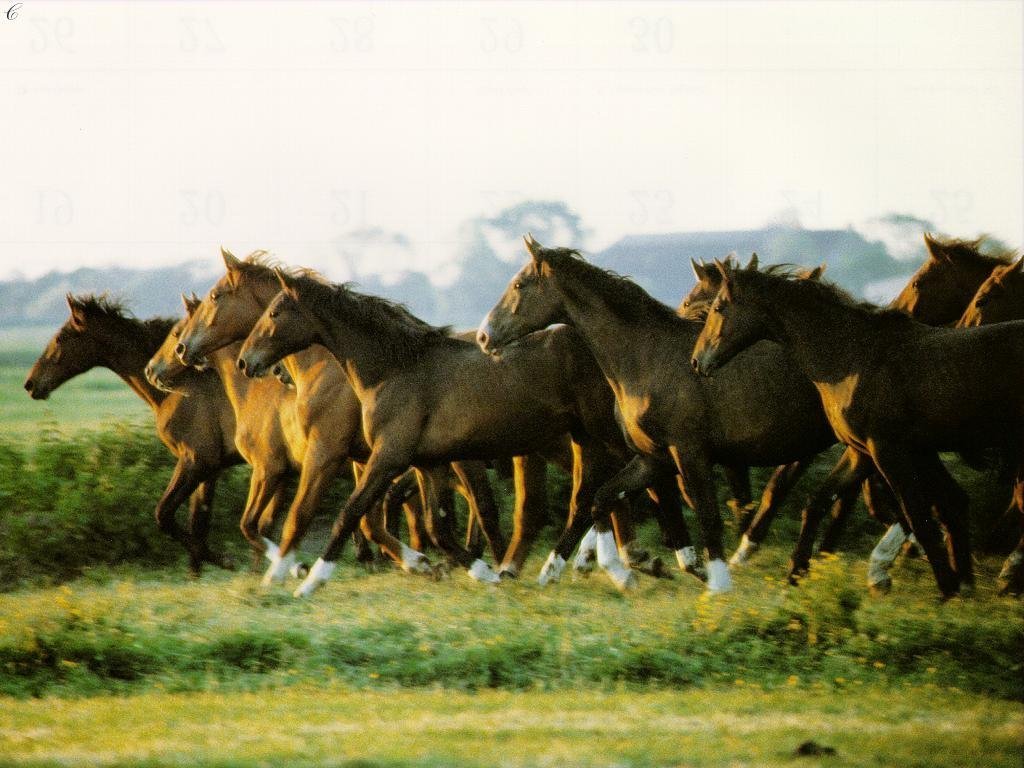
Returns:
(481, 571)
(719, 579)
(552, 569)
(484, 330)
(883, 555)
(317, 577)
(743, 552)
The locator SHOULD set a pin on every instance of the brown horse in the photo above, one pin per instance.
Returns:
(999, 299)
(327, 413)
(936, 294)
(754, 525)
(894, 390)
(429, 398)
(762, 414)
(271, 440)
(197, 424)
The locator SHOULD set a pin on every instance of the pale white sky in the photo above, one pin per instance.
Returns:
(146, 133)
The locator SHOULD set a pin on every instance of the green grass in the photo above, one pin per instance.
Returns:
(333, 725)
(388, 669)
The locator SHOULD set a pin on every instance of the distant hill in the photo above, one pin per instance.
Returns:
(659, 263)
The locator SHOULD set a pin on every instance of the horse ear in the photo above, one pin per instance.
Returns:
(287, 284)
(1016, 265)
(727, 287)
(699, 270)
(814, 274)
(190, 303)
(232, 262)
(533, 246)
(935, 250)
(752, 264)
(77, 307)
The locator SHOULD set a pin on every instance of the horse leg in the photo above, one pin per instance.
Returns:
(262, 486)
(698, 485)
(738, 480)
(664, 492)
(314, 480)
(843, 480)
(440, 522)
(901, 469)
(530, 474)
(402, 498)
(200, 511)
(479, 495)
(1011, 576)
(184, 481)
(380, 470)
(951, 505)
(775, 492)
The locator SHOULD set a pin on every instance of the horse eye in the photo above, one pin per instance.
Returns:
(981, 301)
(917, 283)
(175, 333)
(274, 313)
(518, 285)
(686, 302)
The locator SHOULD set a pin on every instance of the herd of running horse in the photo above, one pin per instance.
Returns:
(579, 366)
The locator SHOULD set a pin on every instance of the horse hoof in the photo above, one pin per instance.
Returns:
(719, 580)
(623, 578)
(507, 574)
(743, 552)
(880, 588)
(299, 570)
(225, 562)
(551, 570)
(585, 561)
(481, 571)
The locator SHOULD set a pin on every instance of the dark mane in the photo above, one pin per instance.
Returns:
(821, 289)
(153, 331)
(624, 296)
(400, 334)
(967, 250)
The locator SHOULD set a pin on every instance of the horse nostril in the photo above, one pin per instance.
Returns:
(482, 338)
(241, 364)
(695, 364)
(29, 385)
(179, 350)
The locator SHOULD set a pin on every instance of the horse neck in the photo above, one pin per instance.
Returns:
(357, 349)
(127, 356)
(621, 346)
(307, 366)
(236, 385)
(829, 340)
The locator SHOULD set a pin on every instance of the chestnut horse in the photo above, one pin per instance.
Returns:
(894, 390)
(429, 398)
(327, 413)
(764, 413)
(196, 424)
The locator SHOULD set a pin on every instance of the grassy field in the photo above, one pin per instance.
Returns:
(110, 655)
(147, 666)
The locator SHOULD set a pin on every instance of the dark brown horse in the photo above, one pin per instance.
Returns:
(197, 424)
(429, 398)
(894, 390)
(764, 413)
(327, 414)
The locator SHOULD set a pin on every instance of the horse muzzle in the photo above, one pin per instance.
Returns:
(36, 390)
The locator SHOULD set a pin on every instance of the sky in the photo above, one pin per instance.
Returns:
(153, 133)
